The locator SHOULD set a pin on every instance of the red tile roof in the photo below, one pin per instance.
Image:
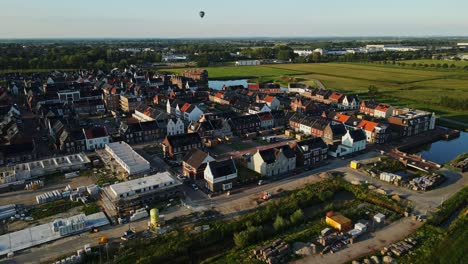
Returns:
(367, 125)
(342, 118)
(269, 99)
(219, 95)
(265, 116)
(95, 132)
(185, 107)
(335, 96)
(382, 107)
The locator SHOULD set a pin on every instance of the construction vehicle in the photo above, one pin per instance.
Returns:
(103, 240)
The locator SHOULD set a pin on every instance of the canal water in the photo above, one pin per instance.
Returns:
(217, 85)
(443, 151)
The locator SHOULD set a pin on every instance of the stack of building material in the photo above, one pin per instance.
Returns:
(49, 197)
(71, 225)
(34, 185)
(274, 253)
(7, 211)
(93, 189)
(139, 214)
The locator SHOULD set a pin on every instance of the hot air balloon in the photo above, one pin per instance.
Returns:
(202, 14)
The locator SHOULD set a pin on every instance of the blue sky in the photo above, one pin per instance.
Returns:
(240, 18)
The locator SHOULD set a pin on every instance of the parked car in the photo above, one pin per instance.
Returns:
(194, 187)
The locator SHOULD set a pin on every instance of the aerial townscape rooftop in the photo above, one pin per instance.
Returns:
(306, 133)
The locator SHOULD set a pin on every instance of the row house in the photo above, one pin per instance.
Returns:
(245, 124)
(96, 138)
(220, 175)
(258, 108)
(311, 152)
(200, 76)
(211, 128)
(265, 88)
(71, 141)
(348, 102)
(271, 101)
(220, 98)
(133, 131)
(383, 111)
(409, 122)
(194, 164)
(375, 132)
(266, 120)
(367, 107)
(353, 141)
(302, 104)
(177, 146)
(18, 152)
(111, 98)
(89, 106)
(148, 113)
(186, 111)
(128, 103)
(314, 126)
(280, 118)
(273, 161)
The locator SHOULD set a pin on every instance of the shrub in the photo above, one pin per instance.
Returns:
(297, 217)
(280, 223)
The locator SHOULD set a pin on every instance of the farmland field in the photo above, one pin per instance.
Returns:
(411, 87)
(244, 72)
(449, 62)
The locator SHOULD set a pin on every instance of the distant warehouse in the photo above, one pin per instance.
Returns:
(247, 62)
(143, 190)
(126, 157)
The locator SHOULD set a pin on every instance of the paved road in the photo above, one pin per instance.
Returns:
(319, 84)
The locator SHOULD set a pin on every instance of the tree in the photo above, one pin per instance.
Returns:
(158, 57)
(316, 57)
(202, 61)
(100, 64)
(284, 55)
(324, 196)
(280, 223)
(297, 217)
(123, 64)
(372, 90)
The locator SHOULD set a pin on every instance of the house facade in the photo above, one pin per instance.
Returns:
(194, 164)
(273, 161)
(177, 146)
(220, 175)
(175, 126)
(96, 138)
(311, 152)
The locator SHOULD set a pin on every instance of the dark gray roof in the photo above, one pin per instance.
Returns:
(222, 168)
(184, 139)
(313, 143)
(357, 134)
(195, 157)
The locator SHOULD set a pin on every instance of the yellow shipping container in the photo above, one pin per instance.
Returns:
(339, 222)
(354, 165)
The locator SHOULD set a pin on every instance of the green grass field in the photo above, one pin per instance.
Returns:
(449, 62)
(243, 72)
(412, 87)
